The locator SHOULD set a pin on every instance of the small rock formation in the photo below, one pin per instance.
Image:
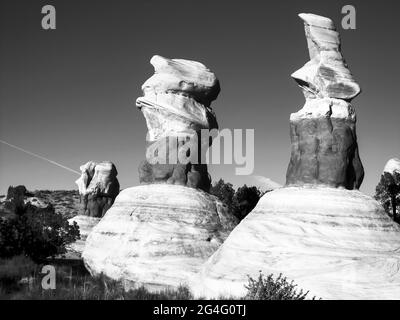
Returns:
(176, 105)
(158, 234)
(98, 186)
(323, 133)
(317, 231)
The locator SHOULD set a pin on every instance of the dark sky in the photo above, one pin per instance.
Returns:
(69, 94)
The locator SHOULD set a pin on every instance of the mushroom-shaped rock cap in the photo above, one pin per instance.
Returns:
(183, 76)
(177, 97)
(326, 75)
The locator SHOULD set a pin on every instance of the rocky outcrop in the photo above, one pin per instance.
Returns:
(98, 187)
(86, 224)
(159, 234)
(176, 105)
(336, 243)
(323, 133)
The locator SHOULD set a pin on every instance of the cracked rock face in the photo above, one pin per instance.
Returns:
(323, 133)
(176, 105)
(98, 187)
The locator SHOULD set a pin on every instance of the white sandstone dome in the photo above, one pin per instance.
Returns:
(336, 243)
(157, 235)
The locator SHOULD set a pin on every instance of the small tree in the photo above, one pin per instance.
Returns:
(245, 200)
(388, 192)
(240, 202)
(224, 192)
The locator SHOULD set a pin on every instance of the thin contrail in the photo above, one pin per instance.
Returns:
(40, 157)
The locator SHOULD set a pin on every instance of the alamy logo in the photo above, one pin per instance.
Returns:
(194, 147)
(49, 20)
(49, 280)
(349, 20)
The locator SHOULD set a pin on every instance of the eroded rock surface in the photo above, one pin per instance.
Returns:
(338, 244)
(176, 105)
(98, 187)
(323, 132)
(157, 235)
(392, 166)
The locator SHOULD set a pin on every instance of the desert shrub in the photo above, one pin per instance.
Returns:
(37, 233)
(13, 270)
(245, 200)
(72, 284)
(388, 194)
(273, 289)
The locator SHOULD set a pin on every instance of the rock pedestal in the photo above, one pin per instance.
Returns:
(176, 105)
(158, 234)
(336, 243)
(318, 231)
(323, 132)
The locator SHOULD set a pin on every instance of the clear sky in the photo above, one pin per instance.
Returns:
(69, 94)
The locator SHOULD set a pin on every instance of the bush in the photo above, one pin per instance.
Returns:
(35, 232)
(15, 269)
(245, 200)
(273, 289)
(388, 194)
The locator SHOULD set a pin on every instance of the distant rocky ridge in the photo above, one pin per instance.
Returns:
(66, 202)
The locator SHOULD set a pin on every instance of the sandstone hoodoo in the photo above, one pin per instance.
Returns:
(158, 234)
(319, 230)
(98, 187)
(323, 132)
(176, 105)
